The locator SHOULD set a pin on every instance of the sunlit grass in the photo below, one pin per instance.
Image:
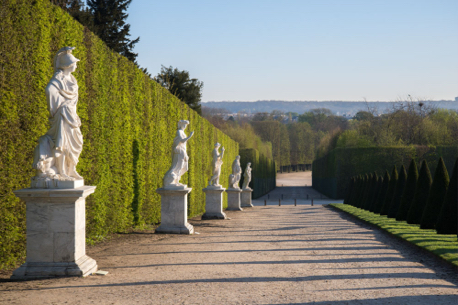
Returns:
(444, 246)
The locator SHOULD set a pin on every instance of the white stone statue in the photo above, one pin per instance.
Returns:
(234, 178)
(247, 177)
(216, 166)
(56, 155)
(179, 158)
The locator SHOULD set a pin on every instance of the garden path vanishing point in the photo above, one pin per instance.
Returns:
(263, 255)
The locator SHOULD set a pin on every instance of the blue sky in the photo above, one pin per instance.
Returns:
(304, 49)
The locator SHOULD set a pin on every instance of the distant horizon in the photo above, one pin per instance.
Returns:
(316, 101)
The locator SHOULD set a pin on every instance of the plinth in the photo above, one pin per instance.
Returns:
(214, 203)
(56, 233)
(233, 199)
(246, 198)
(174, 211)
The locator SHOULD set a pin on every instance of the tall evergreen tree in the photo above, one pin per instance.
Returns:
(361, 191)
(396, 201)
(436, 196)
(382, 194)
(390, 192)
(409, 191)
(354, 194)
(369, 195)
(109, 23)
(421, 195)
(349, 190)
(447, 222)
(187, 89)
(376, 194)
(367, 190)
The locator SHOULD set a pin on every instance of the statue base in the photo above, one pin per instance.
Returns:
(214, 203)
(56, 233)
(174, 211)
(246, 198)
(48, 183)
(233, 199)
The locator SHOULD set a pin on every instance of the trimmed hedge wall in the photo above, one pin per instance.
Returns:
(331, 174)
(263, 175)
(128, 125)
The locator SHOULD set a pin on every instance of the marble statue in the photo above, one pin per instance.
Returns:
(56, 155)
(247, 177)
(216, 166)
(179, 158)
(234, 178)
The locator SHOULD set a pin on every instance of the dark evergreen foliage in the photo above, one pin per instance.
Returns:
(367, 190)
(396, 201)
(376, 194)
(421, 195)
(350, 187)
(436, 197)
(109, 23)
(409, 191)
(447, 221)
(369, 195)
(355, 190)
(390, 192)
(360, 198)
(382, 194)
(187, 89)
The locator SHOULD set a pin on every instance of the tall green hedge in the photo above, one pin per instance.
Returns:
(128, 125)
(263, 174)
(331, 173)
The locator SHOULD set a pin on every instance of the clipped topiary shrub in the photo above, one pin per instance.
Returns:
(396, 201)
(409, 191)
(382, 194)
(436, 197)
(390, 192)
(421, 195)
(447, 222)
(376, 193)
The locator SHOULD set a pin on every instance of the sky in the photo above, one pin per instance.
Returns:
(297, 50)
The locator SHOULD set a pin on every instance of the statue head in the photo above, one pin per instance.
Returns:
(182, 124)
(217, 145)
(249, 164)
(64, 59)
(238, 157)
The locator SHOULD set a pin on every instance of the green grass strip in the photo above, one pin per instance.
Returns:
(444, 246)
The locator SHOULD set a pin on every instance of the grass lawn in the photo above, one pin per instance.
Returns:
(444, 246)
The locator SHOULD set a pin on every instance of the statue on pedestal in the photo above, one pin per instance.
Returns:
(234, 178)
(56, 155)
(216, 166)
(247, 177)
(179, 158)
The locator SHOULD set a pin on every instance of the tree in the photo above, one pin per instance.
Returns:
(382, 194)
(396, 201)
(368, 191)
(436, 196)
(421, 195)
(390, 192)
(448, 217)
(349, 191)
(376, 194)
(409, 191)
(109, 24)
(187, 89)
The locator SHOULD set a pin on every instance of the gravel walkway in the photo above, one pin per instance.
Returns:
(263, 255)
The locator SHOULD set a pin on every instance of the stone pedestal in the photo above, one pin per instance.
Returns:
(246, 198)
(233, 199)
(174, 211)
(56, 233)
(214, 203)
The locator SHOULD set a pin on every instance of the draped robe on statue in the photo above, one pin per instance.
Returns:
(179, 160)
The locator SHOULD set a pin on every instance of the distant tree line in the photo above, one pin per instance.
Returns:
(299, 139)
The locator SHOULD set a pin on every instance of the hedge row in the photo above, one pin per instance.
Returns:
(331, 174)
(416, 198)
(263, 175)
(128, 125)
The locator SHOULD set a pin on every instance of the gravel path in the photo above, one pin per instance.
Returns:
(264, 255)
